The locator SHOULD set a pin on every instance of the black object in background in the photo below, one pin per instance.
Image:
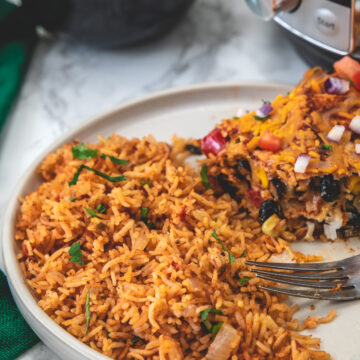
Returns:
(102, 23)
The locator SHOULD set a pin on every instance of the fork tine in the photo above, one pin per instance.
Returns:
(315, 294)
(304, 283)
(315, 276)
(333, 265)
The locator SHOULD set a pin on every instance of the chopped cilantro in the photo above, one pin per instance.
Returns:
(327, 146)
(204, 314)
(232, 258)
(73, 199)
(114, 159)
(87, 311)
(136, 339)
(215, 329)
(143, 182)
(150, 225)
(235, 118)
(244, 280)
(266, 101)
(101, 208)
(108, 334)
(144, 218)
(204, 176)
(97, 172)
(243, 253)
(261, 118)
(82, 152)
(195, 150)
(316, 70)
(216, 219)
(75, 254)
(91, 212)
(144, 213)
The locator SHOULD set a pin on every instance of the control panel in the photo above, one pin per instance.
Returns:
(325, 23)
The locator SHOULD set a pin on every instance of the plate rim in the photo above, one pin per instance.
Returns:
(11, 268)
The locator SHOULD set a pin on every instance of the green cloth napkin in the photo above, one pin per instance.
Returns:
(15, 50)
(16, 335)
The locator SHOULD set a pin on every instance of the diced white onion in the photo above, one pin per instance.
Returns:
(302, 163)
(310, 231)
(225, 340)
(357, 148)
(334, 224)
(355, 125)
(336, 133)
(241, 112)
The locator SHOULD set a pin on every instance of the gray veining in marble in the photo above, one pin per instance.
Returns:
(67, 83)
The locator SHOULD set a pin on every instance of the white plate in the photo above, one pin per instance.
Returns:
(188, 112)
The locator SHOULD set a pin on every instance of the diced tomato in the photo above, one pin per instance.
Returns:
(213, 143)
(182, 213)
(255, 197)
(350, 69)
(269, 141)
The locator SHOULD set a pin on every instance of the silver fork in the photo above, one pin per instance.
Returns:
(340, 278)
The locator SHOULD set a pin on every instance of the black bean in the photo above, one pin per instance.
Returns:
(195, 150)
(227, 185)
(244, 164)
(354, 220)
(279, 187)
(329, 188)
(267, 209)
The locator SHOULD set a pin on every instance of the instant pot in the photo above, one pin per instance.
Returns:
(321, 30)
(101, 23)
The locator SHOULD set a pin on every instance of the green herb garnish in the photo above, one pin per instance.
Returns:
(261, 118)
(316, 71)
(114, 159)
(143, 183)
(144, 213)
(144, 217)
(243, 253)
(87, 311)
(136, 339)
(204, 314)
(244, 280)
(101, 208)
(204, 177)
(216, 219)
(73, 199)
(75, 254)
(108, 334)
(327, 146)
(195, 150)
(97, 172)
(215, 329)
(232, 258)
(235, 118)
(150, 225)
(266, 101)
(91, 212)
(82, 152)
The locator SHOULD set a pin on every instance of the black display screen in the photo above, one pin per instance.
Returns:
(346, 3)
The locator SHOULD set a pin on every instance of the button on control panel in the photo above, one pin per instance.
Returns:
(326, 21)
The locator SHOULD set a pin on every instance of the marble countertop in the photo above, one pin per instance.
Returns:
(67, 83)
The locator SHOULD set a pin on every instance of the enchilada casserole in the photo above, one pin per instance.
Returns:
(296, 160)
